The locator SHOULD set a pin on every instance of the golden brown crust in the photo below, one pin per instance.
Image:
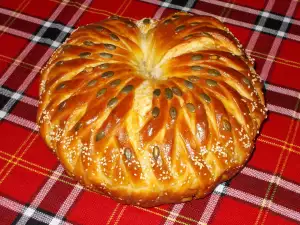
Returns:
(151, 112)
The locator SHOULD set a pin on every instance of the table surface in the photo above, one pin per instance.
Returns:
(34, 189)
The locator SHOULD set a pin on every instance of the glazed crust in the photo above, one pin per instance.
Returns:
(151, 112)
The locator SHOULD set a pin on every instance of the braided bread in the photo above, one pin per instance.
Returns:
(151, 112)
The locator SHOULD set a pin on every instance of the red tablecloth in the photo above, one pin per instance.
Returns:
(34, 188)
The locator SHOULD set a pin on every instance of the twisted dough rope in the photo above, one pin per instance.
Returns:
(151, 112)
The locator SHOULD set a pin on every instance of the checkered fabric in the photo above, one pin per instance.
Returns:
(34, 188)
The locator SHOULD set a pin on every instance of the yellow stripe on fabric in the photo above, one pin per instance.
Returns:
(277, 139)
(90, 9)
(259, 215)
(12, 17)
(120, 215)
(18, 150)
(280, 174)
(15, 61)
(179, 215)
(120, 8)
(159, 214)
(39, 172)
(113, 214)
(280, 146)
(25, 150)
(273, 57)
(126, 7)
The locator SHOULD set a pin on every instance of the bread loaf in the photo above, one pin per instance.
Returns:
(151, 112)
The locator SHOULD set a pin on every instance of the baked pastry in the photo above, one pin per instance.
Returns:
(151, 112)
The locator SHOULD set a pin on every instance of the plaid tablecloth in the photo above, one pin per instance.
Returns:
(34, 189)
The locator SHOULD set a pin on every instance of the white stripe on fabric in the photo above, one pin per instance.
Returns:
(188, 5)
(44, 58)
(166, 4)
(267, 177)
(220, 189)
(15, 32)
(289, 186)
(9, 204)
(29, 47)
(55, 221)
(212, 203)
(249, 10)
(284, 111)
(174, 214)
(224, 19)
(29, 78)
(284, 211)
(31, 19)
(229, 7)
(70, 200)
(18, 208)
(292, 37)
(267, 30)
(262, 202)
(236, 7)
(215, 2)
(209, 209)
(17, 96)
(79, 12)
(54, 43)
(40, 196)
(18, 120)
(28, 36)
(277, 42)
(281, 90)
(67, 204)
(254, 37)
(161, 10)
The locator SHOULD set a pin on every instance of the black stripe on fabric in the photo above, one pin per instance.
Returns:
(262, 25)
(180, 2)
(52, 33)
(3, 100)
